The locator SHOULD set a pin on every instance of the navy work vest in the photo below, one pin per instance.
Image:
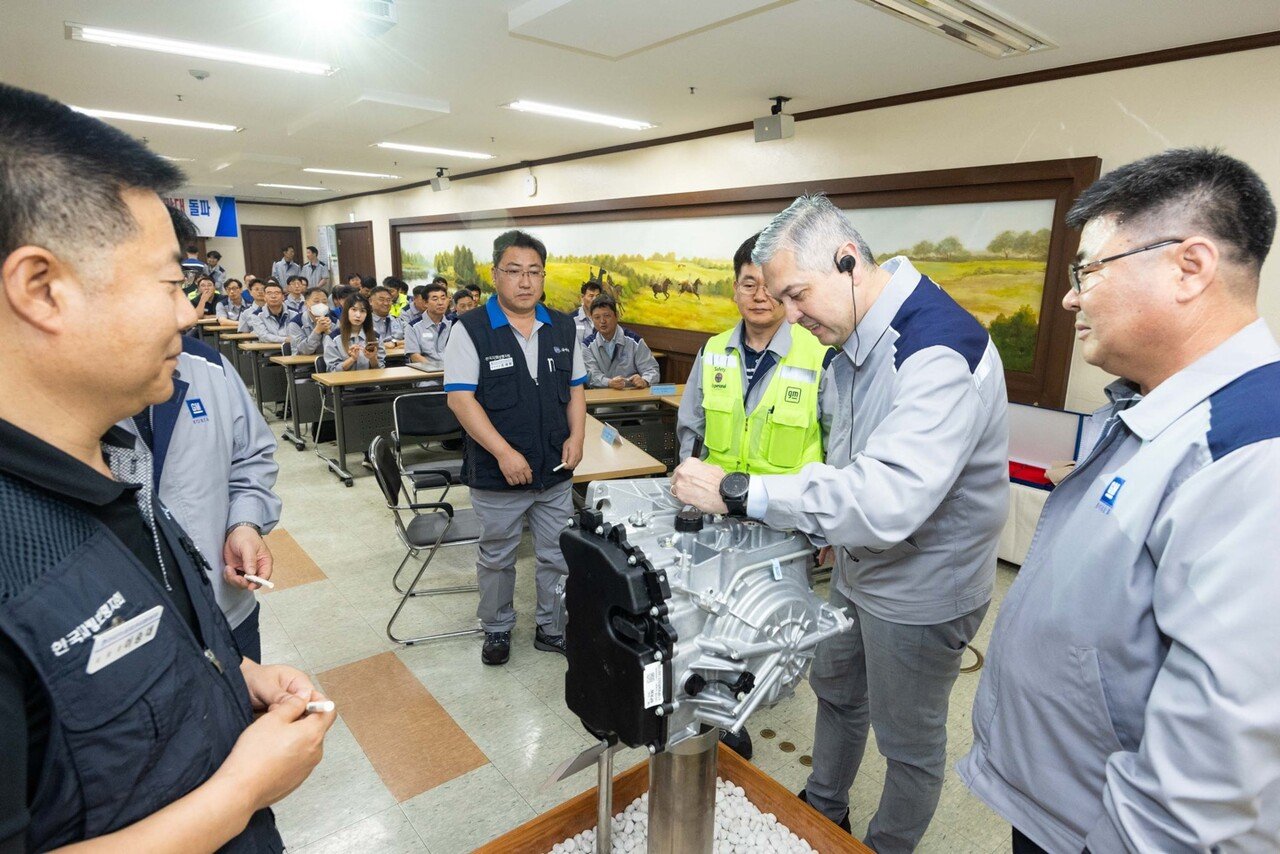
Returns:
(150, 726)
(531, 416)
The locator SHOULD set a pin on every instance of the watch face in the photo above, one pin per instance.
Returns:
(734, 485)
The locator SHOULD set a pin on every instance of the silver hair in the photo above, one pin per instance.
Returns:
(812, 229)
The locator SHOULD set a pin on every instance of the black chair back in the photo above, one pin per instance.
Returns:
(426, 415)
(385, 470)
(286, 348)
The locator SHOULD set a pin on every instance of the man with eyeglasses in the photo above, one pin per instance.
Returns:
(1131, 698)
(514, 374)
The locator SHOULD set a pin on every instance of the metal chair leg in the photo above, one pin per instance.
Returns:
(413, 591)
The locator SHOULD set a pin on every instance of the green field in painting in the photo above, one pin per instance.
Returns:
(989, 287)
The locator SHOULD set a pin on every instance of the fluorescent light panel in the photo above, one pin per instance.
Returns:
(966, 23)
(194, 50)
(349, 172)
(429, 149)
(577, 115)
(293, 187)
(155, 120)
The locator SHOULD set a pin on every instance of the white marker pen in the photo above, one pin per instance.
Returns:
(557, 468)
(262, 581)
(318, 706)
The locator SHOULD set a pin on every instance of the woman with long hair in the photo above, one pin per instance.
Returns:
(353, 346)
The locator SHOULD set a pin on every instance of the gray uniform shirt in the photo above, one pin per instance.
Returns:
(335, 352)
(247, 316)
(317, 275)
(227, 311)
(388, 328)
(273, 328)
(1131, 698)
(585, 327)
(282, 270)
(691, 420)
(915, 486)
(216, 457)
(630, 356)
(429, 339)
(304, 337)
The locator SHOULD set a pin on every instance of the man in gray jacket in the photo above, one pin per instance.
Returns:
(912, 496)
(1131, 699)
(616, 357)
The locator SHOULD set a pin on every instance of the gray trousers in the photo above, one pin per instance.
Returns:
(898, 679)
(501, 513)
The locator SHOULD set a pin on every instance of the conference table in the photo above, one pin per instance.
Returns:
(641, 416)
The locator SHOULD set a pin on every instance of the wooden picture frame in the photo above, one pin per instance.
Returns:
(1059, 181)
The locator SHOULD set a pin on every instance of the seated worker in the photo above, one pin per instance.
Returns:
(354, 280)
(399, 292)
(426, 337)
(294, 293)
(417, 306)
(386, 327)
(339, 298)
(354, 346)
(213, 260)
(366, 286)
(249, 279)
(463, 301)
(476, 294)
(272, 321)
(582, 317)
(306, 331)
(235, 303)
(616, 357)
(257, 299)
(206, 299)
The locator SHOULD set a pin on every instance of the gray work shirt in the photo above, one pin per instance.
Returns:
(427, 338)
(625, 356)
(585, 327)
(227, 310)
(1131, 698)
(388, 328)
(247, 315)
(335, 352)
(915, 486)
(317, 275)
(305, 338)
(282, 270)
(272, 328)
(691, 419)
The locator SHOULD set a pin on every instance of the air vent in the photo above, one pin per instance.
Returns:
(967, 24)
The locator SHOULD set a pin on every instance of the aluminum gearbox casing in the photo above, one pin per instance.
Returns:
(678, 621)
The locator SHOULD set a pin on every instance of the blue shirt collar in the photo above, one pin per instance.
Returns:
(498, 319)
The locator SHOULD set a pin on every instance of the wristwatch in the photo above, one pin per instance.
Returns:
(733, 489)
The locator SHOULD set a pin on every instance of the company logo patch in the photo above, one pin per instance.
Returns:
(1110, 494)
(197, 410)
(793, 394)
(719, 377)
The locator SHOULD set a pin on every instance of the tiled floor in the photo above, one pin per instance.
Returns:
(515, 715)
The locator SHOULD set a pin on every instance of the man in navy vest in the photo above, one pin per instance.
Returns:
(514, 375)
(126, 710)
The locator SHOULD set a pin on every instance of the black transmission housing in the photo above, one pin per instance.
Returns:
(617, 632)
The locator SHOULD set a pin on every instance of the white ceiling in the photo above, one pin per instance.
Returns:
(439, 76)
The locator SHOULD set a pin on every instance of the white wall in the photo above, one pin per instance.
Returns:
(232, 248)
(1229, 101)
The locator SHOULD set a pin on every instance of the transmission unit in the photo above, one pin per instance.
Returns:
(679, 620)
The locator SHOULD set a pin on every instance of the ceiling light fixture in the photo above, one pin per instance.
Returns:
(155, 120)
(349, 172)
(577, 115)
(293, 187)
(966, 23)
(193, 50)
(428, 149)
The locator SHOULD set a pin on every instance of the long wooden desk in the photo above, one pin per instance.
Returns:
(611, 396)
(612, 462)
(341, 383)
(640, 416)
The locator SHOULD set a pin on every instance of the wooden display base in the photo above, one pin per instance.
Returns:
(579, 814)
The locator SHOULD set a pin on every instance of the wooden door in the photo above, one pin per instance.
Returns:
(355, 249)
(262, 245)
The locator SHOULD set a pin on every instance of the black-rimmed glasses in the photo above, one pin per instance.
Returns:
(1088, 268)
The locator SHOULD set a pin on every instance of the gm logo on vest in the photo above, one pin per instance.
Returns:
(793, 394)
(1109, 495)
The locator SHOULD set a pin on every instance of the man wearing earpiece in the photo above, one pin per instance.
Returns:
(912, 497)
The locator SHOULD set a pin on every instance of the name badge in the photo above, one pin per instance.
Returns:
(800, 375)
(610, 435)
(663, 390)
(500, 363)
(114, 644)
(719, 360)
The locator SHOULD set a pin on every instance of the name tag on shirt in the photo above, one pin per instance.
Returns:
(114, 644)
(500, 363)
(800, 375)
(719, 360)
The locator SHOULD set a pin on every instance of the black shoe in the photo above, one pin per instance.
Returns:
(739, 744)
(843, 823)
(548, 643)
(497, 648)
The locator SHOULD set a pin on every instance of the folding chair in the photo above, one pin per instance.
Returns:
(426, 416)
(445, 526)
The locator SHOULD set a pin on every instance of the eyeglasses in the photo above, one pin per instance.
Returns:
(1088, 268)
(531, 275)
(753, 289)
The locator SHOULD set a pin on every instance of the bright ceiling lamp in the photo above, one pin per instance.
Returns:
(351, 173)
(193, 50)
(577, 115)
(966, 23)
(155, 120)
(292, 187)
(428, 149)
